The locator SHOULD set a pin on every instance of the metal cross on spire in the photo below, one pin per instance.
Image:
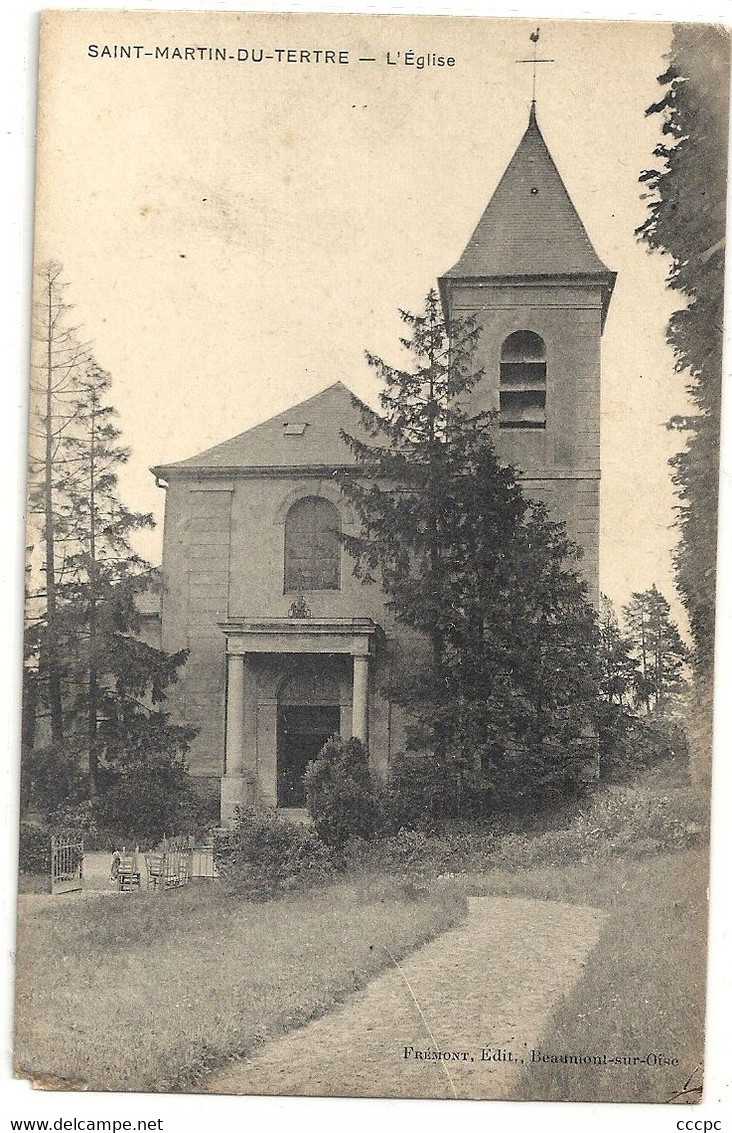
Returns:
(534, 37)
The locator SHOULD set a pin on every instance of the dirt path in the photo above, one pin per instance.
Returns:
(482, 990)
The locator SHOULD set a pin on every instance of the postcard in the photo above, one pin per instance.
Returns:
(370, 589)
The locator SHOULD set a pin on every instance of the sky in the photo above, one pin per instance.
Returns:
(234, 236)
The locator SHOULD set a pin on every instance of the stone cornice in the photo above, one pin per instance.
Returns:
(299, 635)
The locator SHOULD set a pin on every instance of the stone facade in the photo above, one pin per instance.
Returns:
(560, 463)
(274, 667)
(225, 600)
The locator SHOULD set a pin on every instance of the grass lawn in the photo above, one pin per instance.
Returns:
(642, 989)
(147, 992)
(636, 851)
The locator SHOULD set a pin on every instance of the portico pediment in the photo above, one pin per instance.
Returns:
(299, 635)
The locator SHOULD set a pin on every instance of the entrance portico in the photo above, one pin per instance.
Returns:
(254, 747)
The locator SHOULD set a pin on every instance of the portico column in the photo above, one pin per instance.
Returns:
(234, 784)
(360, 728)
(235, 714)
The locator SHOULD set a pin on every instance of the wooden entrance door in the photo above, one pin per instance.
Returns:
(301, 733)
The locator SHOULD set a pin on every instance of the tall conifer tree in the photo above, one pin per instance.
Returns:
(104, 685)
(507, 689)
(619, 667)
(659, 650)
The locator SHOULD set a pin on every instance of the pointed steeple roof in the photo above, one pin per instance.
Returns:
(306, 436)
(530, 226)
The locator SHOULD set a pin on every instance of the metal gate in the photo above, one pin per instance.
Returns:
(67, 863)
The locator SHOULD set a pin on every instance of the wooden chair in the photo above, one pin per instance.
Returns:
(128, 875)
(155, 862)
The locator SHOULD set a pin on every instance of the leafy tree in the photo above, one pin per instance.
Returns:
(506, 687)
(660, 652)
(687, 196)
(618, 666)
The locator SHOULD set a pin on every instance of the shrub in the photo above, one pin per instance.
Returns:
(145, 790)
(105, 823)
(34, 849)
(264, 855)
(144, 782)
(402, 854)
(199, 808)
(650, 816)
(340, 793)
(630, 744)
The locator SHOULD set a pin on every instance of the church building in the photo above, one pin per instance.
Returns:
(286, 647)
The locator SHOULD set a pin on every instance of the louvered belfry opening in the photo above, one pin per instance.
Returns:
(523, 381)
(312, 546)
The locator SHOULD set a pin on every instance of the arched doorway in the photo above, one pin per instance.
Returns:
(308, 714)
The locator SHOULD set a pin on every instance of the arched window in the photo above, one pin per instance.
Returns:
(523, 381)
(312, 546)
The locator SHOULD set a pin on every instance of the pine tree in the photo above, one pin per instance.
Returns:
(618, 667)
(97, 531)
(660, 652)
(424, 427)
(105, 686)
(507, 687)
(118, 678)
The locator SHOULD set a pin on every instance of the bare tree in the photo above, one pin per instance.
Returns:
(58, 357)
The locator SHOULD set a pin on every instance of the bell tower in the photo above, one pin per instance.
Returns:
(540, 294)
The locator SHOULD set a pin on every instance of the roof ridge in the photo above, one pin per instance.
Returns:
(261, 436)
(288, 409)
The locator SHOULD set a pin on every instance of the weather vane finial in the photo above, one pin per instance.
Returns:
(534, 37)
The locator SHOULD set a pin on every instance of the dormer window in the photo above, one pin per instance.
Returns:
(312, 546)
(294, 428)
(523, 381)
